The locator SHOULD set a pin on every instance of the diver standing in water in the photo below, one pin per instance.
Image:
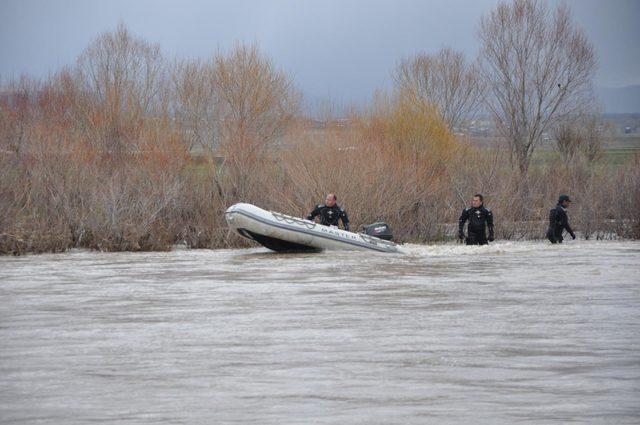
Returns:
(479, 219)
(330, 213)
(559, 221)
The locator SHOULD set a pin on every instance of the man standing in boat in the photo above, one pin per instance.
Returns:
(330, 213)
(559, 221)
(479, 219)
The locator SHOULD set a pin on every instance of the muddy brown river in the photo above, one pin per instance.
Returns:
(511, 333)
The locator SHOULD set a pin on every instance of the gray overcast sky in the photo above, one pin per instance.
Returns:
(336, 49)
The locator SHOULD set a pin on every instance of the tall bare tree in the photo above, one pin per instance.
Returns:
(258, 100)
(539, 68)
(236, 101)
(237, 105)
(196, 104)
(122, 76)
(445, 80)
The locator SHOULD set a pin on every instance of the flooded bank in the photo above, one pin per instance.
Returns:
(439, 334)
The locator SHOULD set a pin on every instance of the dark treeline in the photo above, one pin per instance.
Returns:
(127, 150)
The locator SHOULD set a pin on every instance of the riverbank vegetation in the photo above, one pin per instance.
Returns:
(128, 150)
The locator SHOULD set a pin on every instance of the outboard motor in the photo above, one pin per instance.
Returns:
(379, 230)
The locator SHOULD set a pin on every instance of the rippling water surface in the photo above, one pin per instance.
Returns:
(513, 332)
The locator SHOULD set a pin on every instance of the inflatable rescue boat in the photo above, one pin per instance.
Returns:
(283, 233)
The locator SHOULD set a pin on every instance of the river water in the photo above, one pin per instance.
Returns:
(514, 332)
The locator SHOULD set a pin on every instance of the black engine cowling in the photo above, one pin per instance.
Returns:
(379, 230)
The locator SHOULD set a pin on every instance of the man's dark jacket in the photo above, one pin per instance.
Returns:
(330, 216)
(558, 222)
(479, 219)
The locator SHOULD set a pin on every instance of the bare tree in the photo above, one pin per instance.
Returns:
(539, 69)
(568, 138)
(123, 76)
(579, 134)
(592, 143)
(238, 100)
(237, 105)
(196, 104)
(258, 100)
(445, 80)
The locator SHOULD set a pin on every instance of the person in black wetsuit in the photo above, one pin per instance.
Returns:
(559, 221)
(479, 219)
(330, 213)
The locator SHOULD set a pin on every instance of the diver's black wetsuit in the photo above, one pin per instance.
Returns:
(558, 222)
(330, 216)
(479, 218)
